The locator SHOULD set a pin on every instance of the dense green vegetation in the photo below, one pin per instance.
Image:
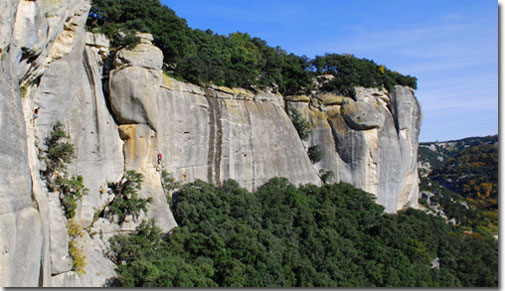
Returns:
(236, 60)
(427, 155)
(466, 174)
(281, 235)
(203, 57)
(451, 203)
(348, 71)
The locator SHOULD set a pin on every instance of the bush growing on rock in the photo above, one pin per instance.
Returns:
(126, 39)
(59, 151)
(168, 182)
(58, 154)
(302, 125)
(71, 190)
(325, 175)
(126, 201)
(75, 250)
(169, 185)
(315, 153)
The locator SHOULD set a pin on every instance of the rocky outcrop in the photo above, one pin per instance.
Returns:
(370, 141)
(212, 134)
(121, 121)
(135, 82)
(44, 63)
(217, 134)
(120, 111)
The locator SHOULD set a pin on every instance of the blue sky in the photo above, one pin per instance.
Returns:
(451, 46)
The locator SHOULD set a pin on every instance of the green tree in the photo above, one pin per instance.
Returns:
(302, 125)
(71, 190)
(283, 235)
(126, 201)
(349, 72)
(204, 58)
(315, 153)
(59, 151)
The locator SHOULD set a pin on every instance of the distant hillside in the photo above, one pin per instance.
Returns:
(462, 176)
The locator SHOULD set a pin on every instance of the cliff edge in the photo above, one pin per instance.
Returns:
(120, 111)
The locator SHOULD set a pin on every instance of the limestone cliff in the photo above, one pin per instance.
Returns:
(120, 111)
(370, 141)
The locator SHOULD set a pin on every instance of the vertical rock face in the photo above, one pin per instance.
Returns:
(370, 141)
(121, 111)
(219, 133)
(44, 62)
(211, 134)
(408, 118)
(21, 233)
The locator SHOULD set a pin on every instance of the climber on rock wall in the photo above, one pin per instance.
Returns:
(35, 115)
(160, 157)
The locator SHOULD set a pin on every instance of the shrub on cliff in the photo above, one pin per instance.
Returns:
(326, 175)
(126, 201)
(302, 125)
(75, 248)
(71, 191)
(315, 153)
(58, 154)
(59, 151)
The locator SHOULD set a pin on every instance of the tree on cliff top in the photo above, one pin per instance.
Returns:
(236, 60)
(350, 71)
(168, 29)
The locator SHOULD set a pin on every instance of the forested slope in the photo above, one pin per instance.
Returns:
(282, 235)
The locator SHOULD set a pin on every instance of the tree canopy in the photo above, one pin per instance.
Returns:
(236, 60)
(283, 235)
(349, 71)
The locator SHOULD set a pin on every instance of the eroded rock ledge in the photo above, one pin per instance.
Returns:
(370, 141)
